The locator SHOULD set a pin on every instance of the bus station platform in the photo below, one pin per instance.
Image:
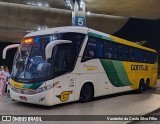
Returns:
(123, 104)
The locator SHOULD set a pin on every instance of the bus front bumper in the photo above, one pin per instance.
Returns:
(43, 98)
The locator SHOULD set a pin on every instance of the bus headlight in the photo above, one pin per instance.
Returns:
(47, 87)
(42, 89)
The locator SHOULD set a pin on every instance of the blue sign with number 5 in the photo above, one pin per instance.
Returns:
(79, 21)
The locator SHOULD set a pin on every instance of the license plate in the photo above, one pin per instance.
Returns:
(23, 98)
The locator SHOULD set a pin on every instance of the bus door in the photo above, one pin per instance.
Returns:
(64, 90)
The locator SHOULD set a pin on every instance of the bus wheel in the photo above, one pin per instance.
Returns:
(147, 84)
(141, 86)
(86, 93)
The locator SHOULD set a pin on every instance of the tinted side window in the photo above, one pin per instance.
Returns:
(154, 60)
(144, 56)
(109, 50)
(100, 48)
(107, 46)
(120, 52)
(62, 60)
(93, 49)
(132, 54)
(77, 40)
(151, 57)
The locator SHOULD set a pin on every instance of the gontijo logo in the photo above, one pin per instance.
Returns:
(139, 67)
(64, 95)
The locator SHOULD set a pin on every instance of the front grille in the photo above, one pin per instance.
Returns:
(23, 91)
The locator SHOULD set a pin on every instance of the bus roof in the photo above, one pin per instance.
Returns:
(77, 29)
(129, 43)
(86, 30)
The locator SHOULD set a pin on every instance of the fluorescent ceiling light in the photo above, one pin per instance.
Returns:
(88, 13)
(39, 4)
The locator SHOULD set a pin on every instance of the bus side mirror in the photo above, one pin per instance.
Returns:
(51, 45)
(7, 48)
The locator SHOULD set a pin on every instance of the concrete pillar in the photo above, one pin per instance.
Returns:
(78, 13)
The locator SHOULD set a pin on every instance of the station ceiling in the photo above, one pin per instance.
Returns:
(19, 17)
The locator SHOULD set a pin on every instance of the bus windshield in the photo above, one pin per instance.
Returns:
(30, 62)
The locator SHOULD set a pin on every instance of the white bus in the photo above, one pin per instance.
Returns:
(65, 64)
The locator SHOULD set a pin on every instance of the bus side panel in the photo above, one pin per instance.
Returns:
(132, 75)
(138, 71)
(87, 72)
(117, 75)
(104, 85)
(62, 93)
(81, 79)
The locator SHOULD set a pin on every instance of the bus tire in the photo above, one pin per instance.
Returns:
(147, 84)
(87, 93)
(141, 86)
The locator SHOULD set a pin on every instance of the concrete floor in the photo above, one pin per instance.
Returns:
(123, 104)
